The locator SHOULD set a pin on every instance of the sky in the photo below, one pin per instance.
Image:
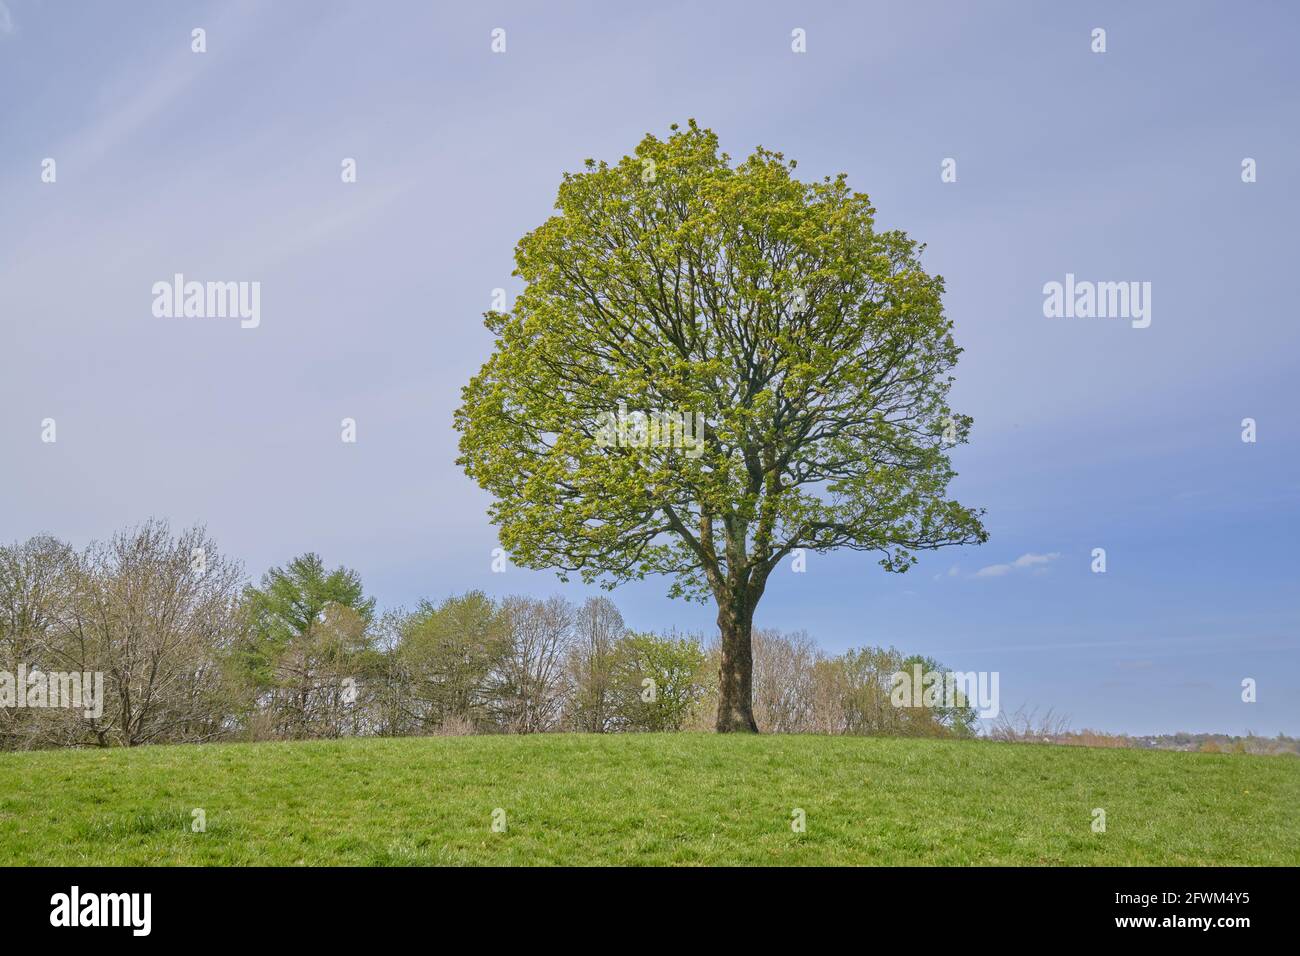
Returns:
(1116, 166)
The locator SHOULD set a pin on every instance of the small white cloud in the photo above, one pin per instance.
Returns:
(6, 21)
(1030, 560)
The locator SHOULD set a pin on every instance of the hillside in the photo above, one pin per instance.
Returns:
(645, 799)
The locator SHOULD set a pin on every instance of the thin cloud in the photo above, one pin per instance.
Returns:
(1030, 560)
(6, 21)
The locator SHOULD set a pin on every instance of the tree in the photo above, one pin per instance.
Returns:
(597, 629)
(446, 657)
(852, 693)
(309, 646)
(155, 614)
(529, 688)
(812, 347)
(657, 681)
(38, 583)
(957, 717)
(783, 680)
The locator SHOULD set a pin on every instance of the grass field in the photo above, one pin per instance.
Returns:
(646, 799)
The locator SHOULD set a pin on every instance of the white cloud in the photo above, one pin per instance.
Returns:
(1029, 560)
(6, 21)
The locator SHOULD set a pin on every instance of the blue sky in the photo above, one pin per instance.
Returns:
(1088, 433)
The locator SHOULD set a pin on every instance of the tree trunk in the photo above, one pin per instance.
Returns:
(736, 673)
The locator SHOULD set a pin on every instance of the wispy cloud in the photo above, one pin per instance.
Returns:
(6, 20)
(1030, 560)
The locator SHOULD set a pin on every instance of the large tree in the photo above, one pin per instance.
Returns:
(814, 348)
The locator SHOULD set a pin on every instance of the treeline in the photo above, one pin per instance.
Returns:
(1028, 726)
(192, 652)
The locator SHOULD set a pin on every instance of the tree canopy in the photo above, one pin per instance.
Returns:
(813, 347)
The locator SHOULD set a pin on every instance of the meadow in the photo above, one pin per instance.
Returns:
(645, 799)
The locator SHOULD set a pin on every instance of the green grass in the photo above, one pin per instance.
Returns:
(646, 799)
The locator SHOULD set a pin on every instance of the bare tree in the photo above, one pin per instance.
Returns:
(530, 682)
(155, 614)
(784, 681)
(591, 706)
